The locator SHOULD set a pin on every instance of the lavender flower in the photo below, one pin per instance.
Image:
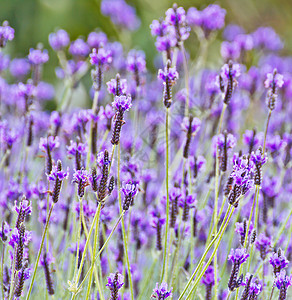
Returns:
(117, 86)
(227, 80)
(161, 292)
(19, 67)
(136, 64)
(169, 77)
(157, 221)
(129, 190)
(241, 229)
(278, 261)
(6, 34)
(238, 257)
(115, 282)
(259, 160)
(263, 244)
(122, 103)
(210, 19)
(282, 282)
(81, 178)
(273, 82)
(158, 28)
(38, 56)
(96, 39)
(120, 13)
(59, 40)
(79, 48)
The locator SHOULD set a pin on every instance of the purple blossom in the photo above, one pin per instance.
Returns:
(122, 103)
(24, 207)
(210, 19)
(59, 40)
(168, 74)
(81, 175)
(157, 217)
(274, 80)
(227, 70)
(161, 292)
(209, 277)
(74, 147)
(195, 126)
(258, 158)
(120, 13)
(231, 31)
(58, 174)
(219, 141)
(278, 261)
(283, 280)
(4, 62)
(112, 84)
(129, 188)
(263, 244)
(19, 67)
(115, 281)
(51, 142)
(136, 61)
(44, 91)
(4, 231)
(38, 56)
(158, 28)
(238, 256)
(100, 57)
(230, 50)
(165, 43)
(267, 38)
(240, 229)
(96, 39)
(6, 34)
(79, 48)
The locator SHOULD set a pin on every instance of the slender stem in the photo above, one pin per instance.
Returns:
(272, 292)
(205, 254)
(123, 226)
(266, 131)
(102, 248)
(187, 104)
(283, 228)
(164, 269)
(249, 219)
(212, 256)
(2, 270)
(40, 251)
(216, 200)
(94, 248)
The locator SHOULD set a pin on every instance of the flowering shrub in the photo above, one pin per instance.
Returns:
(174, 185)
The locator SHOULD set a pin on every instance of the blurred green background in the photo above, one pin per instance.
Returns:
(33, 20)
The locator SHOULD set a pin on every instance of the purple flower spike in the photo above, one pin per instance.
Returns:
(161, 292)
(51, 142)
(168, 73)
(58, 174)
(274, 79)
(136, 61)
(122, 103)
(38, 56)
(227, 70)
(282, 282)
(158, 28)
(6, 34)
(195, 125)
(114, 283)
(100, 57)
(238, 255)
(209, 278)
(278, 261)
(79, 48)
(96, 39)
(19, 67)
(112, 87)
(263, 244)
(59, 40)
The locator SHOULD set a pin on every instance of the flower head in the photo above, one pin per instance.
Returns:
(238, 255)
(79, 48)
(161, 292)
(278, 261)
(122, 103)
(6, 34)
(38, 56)
(59, 40)
(112, 86)
(263, 244)
(56, 173)
(274, 79)
(50, 142)
(283, 280)
(100, 57)
(195, 125)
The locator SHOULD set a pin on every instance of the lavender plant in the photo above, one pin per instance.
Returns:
(177, 186)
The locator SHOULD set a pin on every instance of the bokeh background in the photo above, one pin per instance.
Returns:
(33, 20)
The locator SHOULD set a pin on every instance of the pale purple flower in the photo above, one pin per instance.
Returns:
(123, 103)
(6, 34)
(38, 56)
(59, 40)
(238, 256)
(274, 79)
(161, 292)
(195, 127)
(79, 48)
(51, 142)
(100, 57)
(96, 39)
(19, 67)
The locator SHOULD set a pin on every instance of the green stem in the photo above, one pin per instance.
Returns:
(40, 251)
(94, 248)
(266, 131)
(187, 104)
(164, 269)
(205, 254)
(211, 258)
(123, 226)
